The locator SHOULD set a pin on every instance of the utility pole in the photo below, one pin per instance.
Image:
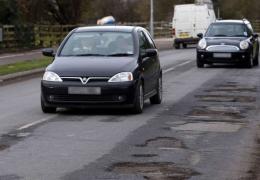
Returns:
(152, 18)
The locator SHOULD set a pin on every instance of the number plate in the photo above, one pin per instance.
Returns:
(85, 90)
(184, 35)
(222, 55)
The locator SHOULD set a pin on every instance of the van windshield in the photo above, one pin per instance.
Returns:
(227, 30)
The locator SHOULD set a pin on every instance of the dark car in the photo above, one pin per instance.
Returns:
(229, 41)
(104, 66)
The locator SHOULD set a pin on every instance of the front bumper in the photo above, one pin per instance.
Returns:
(112, 94)
(186, 40)
(236, 57)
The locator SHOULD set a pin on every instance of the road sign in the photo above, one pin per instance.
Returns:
(1, 34)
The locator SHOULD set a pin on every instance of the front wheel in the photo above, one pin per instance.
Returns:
(157, 99)
(139, 100)
(46, 109)
(249, 62)
(200, 64)
(177, 45)
(256, 60)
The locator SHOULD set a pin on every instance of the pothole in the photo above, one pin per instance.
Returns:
(163, 142)
(144, 155)
(226, 98)
(233, 88)
(207, 112)
(221, 127)
(3, 147)
(154, 170)
(9, 177)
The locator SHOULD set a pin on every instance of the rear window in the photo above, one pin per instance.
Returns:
(227, 30)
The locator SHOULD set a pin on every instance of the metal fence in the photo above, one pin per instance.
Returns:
(37, 36)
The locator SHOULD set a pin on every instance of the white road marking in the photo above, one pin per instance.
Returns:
(174, 67)
(18, 55)
(36, 123)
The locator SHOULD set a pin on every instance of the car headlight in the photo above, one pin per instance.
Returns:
(202, 44)
(122, 77)
(244, 45)
(51, 76)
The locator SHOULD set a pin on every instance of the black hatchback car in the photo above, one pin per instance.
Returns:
(104, 66)
(229, 41)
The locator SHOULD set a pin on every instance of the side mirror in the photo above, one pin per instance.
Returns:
(200, 35)
(150, 53)
(49, 52)
(255, 35)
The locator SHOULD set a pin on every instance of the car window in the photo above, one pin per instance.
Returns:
(227, 30)
(143, 42)
(99, 43)
(148, 37)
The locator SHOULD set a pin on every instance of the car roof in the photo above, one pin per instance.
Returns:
(233, 21)
(112, 28)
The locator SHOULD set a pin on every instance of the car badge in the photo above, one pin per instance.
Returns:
(223, 44)
(84, 80)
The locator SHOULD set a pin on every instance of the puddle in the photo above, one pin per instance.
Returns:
(222, 127)
(144, 155)
(163, 142)
(154, 170)
(226, 98)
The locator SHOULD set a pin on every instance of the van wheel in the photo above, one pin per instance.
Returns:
(184, 46)
(46, 109)
(139, 100)
(200, 64)
(157, 99)
(177, 46)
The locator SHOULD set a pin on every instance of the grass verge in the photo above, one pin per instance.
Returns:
(24, 66)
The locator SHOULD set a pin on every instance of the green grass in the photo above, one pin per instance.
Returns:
(24, 66)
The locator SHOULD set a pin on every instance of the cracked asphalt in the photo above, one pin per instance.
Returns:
(206, 128)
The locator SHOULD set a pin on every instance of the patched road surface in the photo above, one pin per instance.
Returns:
(206, 128)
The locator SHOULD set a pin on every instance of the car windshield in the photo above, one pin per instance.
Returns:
(99, 44)
(227, 30)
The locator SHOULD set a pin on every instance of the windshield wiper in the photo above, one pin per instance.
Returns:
(120, 54)
(90, 55)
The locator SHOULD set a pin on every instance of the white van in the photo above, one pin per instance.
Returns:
(190, 20)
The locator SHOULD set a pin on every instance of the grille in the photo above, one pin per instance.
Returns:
(222, 48)
(89, 79)
(86, 99)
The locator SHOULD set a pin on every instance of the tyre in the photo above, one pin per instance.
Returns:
(157, 99)
(139, 100)
(200, 64)
(46, 109)
(249, 62)
(256, 60)
(177, 45)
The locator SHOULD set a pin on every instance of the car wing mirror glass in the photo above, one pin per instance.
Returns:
(49, 52)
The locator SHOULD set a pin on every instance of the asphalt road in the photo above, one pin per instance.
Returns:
(206, 128)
